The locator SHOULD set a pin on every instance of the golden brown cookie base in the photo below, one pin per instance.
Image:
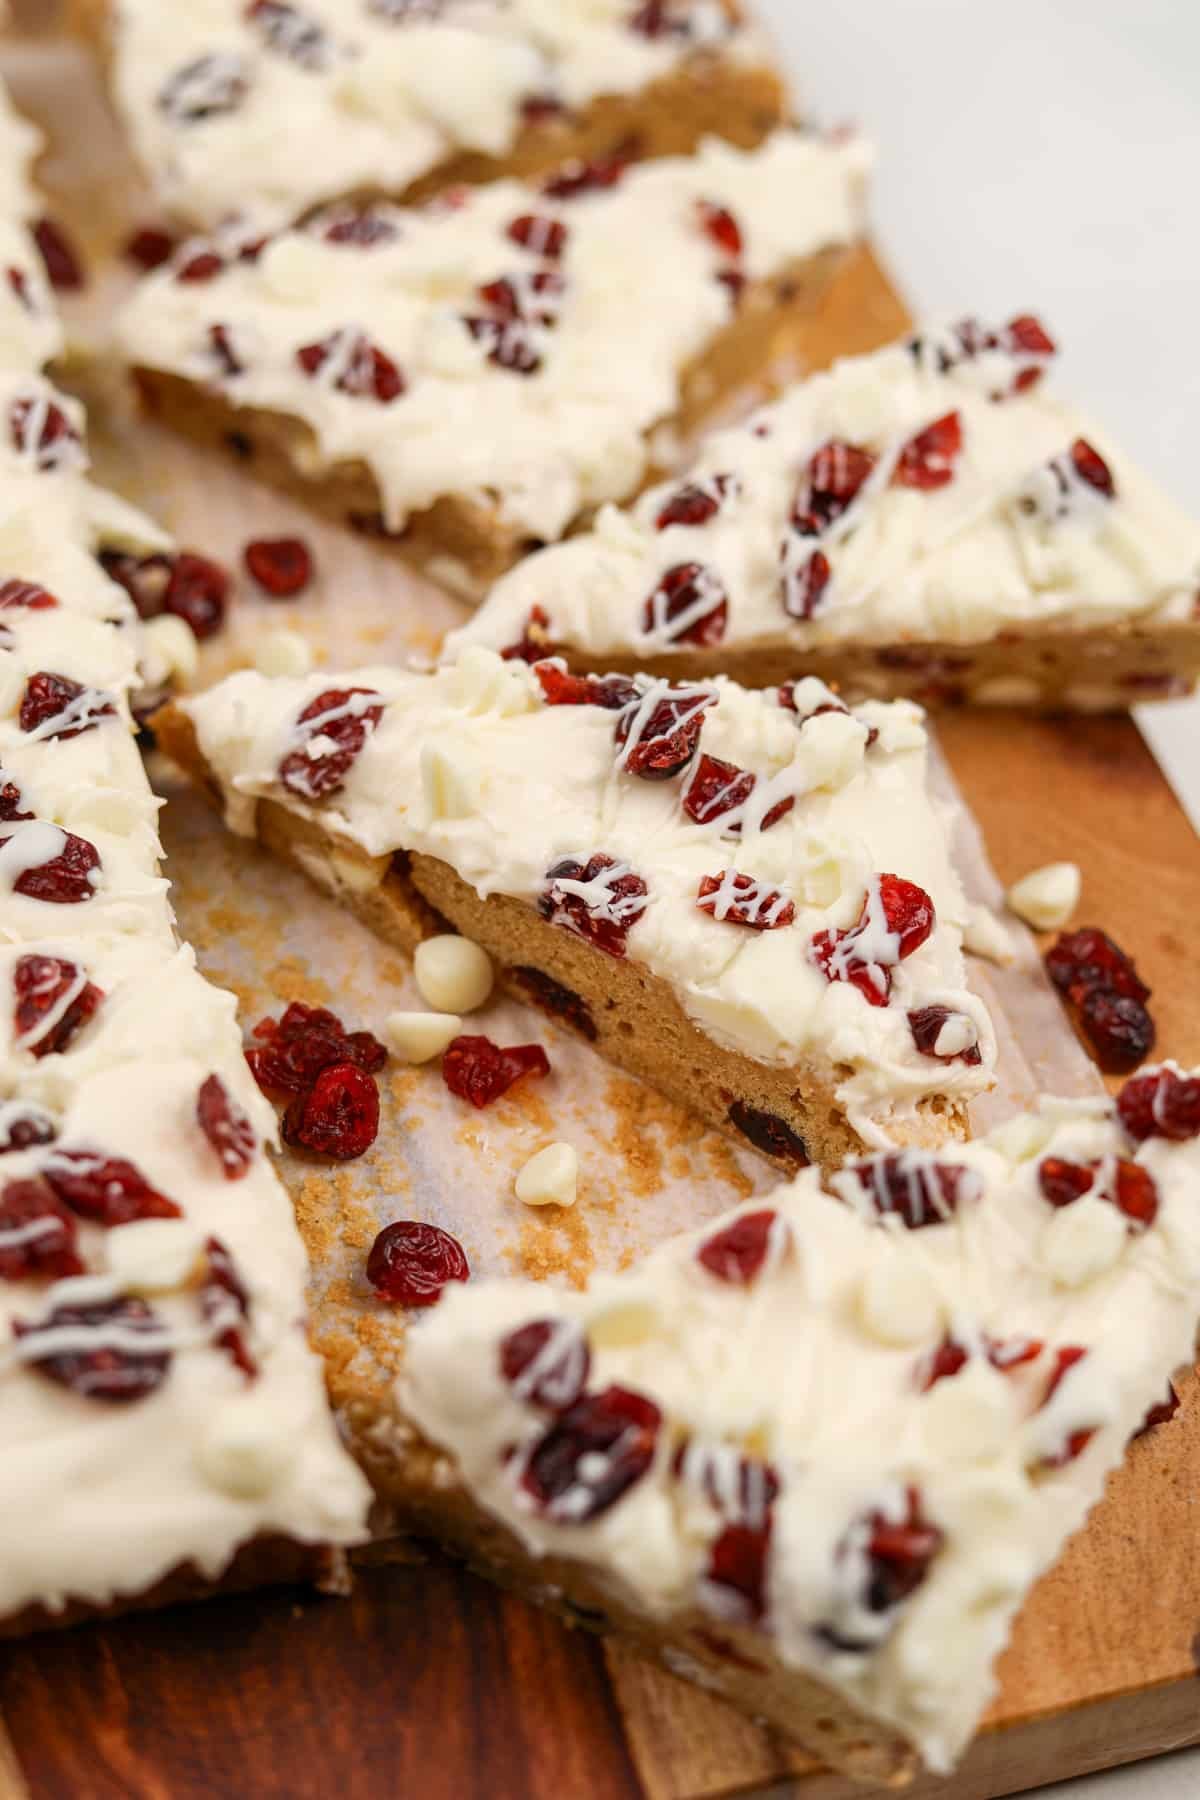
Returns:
(1105, 668)
(632, 1017)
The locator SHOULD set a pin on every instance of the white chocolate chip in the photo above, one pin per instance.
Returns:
(1047, 897)
(248, 1447)
(170, 650)
(283, 653)
(453, 974)
(987, 936)
(551, 1178)
(898, 1303)
(419, 1036)
(154, 1256)
(448, 785)
(969, 1417)
(958, 1033)
(1083, 1241)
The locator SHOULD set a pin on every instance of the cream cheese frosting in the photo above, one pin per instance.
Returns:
(924, 493)
(376, 93)
(492, 346)
(965, 1361)
(476, 766)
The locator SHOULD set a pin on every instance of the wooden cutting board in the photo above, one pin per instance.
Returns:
(429, 1683)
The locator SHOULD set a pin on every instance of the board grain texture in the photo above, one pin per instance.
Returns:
(428, 1683)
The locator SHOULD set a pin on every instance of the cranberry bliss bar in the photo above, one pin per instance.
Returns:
(970, 1340)
(746, 899)
(925, 520)
(403, 97)
(467, 379)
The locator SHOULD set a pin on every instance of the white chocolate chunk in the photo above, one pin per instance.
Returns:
(453, 974)
(152, 1256)
(420, 1036)
(898, 1303)
(283, 652)
(1084, 1241)
(551, 1178)
(171, 652)
(987, 936)
(1046, 898)
(247, 1448)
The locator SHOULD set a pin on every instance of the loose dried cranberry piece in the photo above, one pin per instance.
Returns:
(293, 1049)
(1161, 1103)
(65, 706)
(479, 1071)
(927, 1025)
(689, 606)
(658, 732)
(106, 1189)
(896, 919)
(1088, 958)
(606, 913)
(226, 1127)
(222, 1294)
(927, 460)
(343, 719)
(205, 88)
(541, 235)
(149, 246)
(1160, 1414)
(559, 1001)
(719, 788)
(531, 645)
(1128, 1185)
(950, 1357)
(592, 1455)
(281, 566)
(740, 900)
(338, 1116)
(53, 999)
(360, 367)
(197, 593)
(577, 177)
(769, 1133)
(66, 879)
(835, 475)
(696, 502)
(560, 688)
(37, 1235)
(737, 1253)
(410, 1263)
(64, 266)
(202, 265)
(1120, 1030)
(41, 430)
(115, 1369)
(291, 32)
(547, 1363)
(1076, 1442)
(915, 1187)
(24, 1126)
(24, 595)
(722, 227)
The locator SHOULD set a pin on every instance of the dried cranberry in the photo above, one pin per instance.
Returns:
(144, 578)
(226, 1127)
(64, 267)
(535, 298)
(24, 1126)
(197, 592)
(560, 688)
(696, 502)
(201, 265)
(510, 343)
(205, 88)
(914, 1187)
(363, 227)
(291, 32)
(292, 1050)
(577, 177)
(343, 719)
(225, 1303)
(768, 1133)
(283, 567)
(11, 803)
(689, 606)
(1128, 1185)
(738, 1252)
(737, 1564)
(927, 1025)
(360, 367)
(547, 1363)
(406, 12)
(18, 282)
(26, 596)
(605, 914)
(1064, 1182)
(805, 579)
(65, 879)
(37, 1234)
(114, 1368)
(1161, 1103)
(149, 246)
(835, 475)
(950, 1357)
(1120, 1030)
(592, 1455)
(719, 788)
(531, 646)
(224, 351)
(722, 227)
(54, 706)
(53, 999)
(338, 1116)
(541, 235)
(41, 430)
(1091, 467)
(1022, 338)
(1160, 1414)
(1088, 958)
(559, 1001)
(658, 734)
(899, 1554)
(479, 1071)
(896, 919)
(927, 460)
(1076, 1442)
(662, 19)
(106, 1189)
(541, 109)
(740, 900)
(410, 1263)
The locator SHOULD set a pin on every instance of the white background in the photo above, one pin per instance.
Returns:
(1044, 156)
